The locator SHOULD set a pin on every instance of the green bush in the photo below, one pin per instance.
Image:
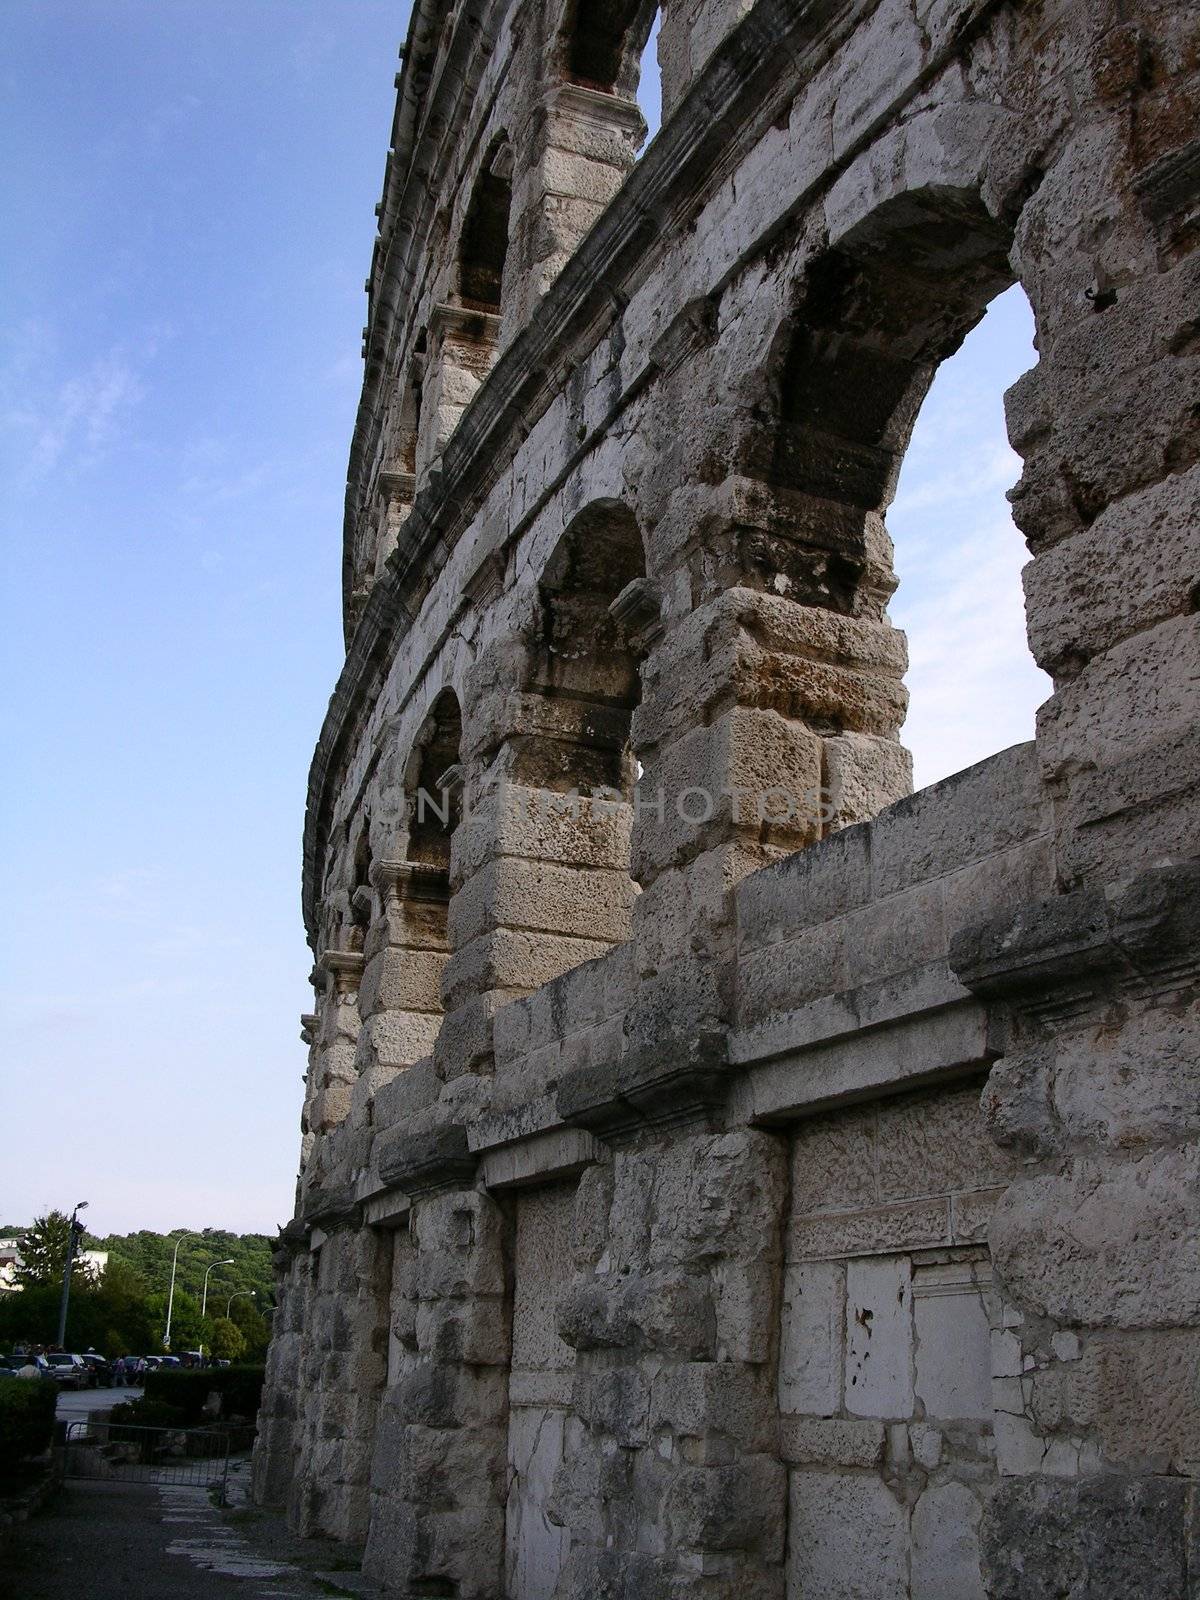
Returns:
(26, 1420)
(144, 1413)
(188, 1388)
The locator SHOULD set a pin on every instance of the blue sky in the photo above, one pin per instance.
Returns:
(186, 229)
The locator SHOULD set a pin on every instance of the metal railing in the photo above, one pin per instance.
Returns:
(126, 1452)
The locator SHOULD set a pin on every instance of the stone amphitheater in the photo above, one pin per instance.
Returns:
(727, 1173)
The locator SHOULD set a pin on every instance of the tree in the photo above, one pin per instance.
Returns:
(44, 1249)
(226, 1342)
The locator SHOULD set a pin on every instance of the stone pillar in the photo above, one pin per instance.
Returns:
(584, 145)
(310, 1025)
(770, 716)
(672, 1481)
(342, 1371)
(540, 868)
(399, 1001)
(1091, 1239)
(439, 1468)
(275, 1442)
(397, 489)
(462, 349)
(334, 1069)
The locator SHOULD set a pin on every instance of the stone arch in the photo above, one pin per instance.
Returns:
(483, 243)
(433, 784)
(594, 602)
(603, 42)
(849, 364)
(875, 317)
(541, 873)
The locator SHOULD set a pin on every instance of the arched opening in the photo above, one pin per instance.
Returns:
(361, 893)
(973, 683)
(591, 606)
(483, 248)
(604, 43)
(874, 319)
(435, 785)
(649, 79)
(542, 881)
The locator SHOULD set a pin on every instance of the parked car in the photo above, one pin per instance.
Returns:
(70, 1371)
(100, 1368)
(14, 1363)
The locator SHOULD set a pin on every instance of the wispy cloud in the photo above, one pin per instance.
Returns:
(973, 685)
(73, 419)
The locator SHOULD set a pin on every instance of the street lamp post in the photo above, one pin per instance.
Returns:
(77, 1231)
(171, 1295)
(236, 1295)
(228, 1262)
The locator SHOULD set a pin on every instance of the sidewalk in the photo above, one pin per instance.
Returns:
(104, 1541)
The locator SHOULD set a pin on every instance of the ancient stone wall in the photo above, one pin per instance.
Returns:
(724, 1172)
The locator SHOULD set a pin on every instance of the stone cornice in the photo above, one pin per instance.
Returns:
(423, 1163)
(345, 967)
(1067, 957)
(411, 880)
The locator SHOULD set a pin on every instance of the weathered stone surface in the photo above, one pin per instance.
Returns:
(723, 1172)
(1045, 1540)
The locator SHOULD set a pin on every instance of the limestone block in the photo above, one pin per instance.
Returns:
(400, 1038)
(698, 1399)
(757, 754)
(512, 960)
(1132, 1088)
(1100, 1246)
(401, 980)
(691, 907)
(933, 1143)
(833, 1160)
(412, 1091)
(745, 1296)
(985, 809)
(811, 1339)
(809, 1441)
(465, 1043)
(542, 895)
(765, 651)
(1104, 1536)
(536, 1547)
(475, 1331)
(879, 1338)
(784, 976)
(1139, 1393)
(953, 1372)
(614, 1401)
(864, 773)
(1133, 567)
(729, 1507)
(450, 1397)
(901, 931)
(543, 1267)
(805, 887)
(1140, 690)
(848, 1537)
(672, 1312)
(945, 1544)
(910, 1225)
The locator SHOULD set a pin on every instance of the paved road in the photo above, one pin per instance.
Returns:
(109, 1541)
(76, 1403)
